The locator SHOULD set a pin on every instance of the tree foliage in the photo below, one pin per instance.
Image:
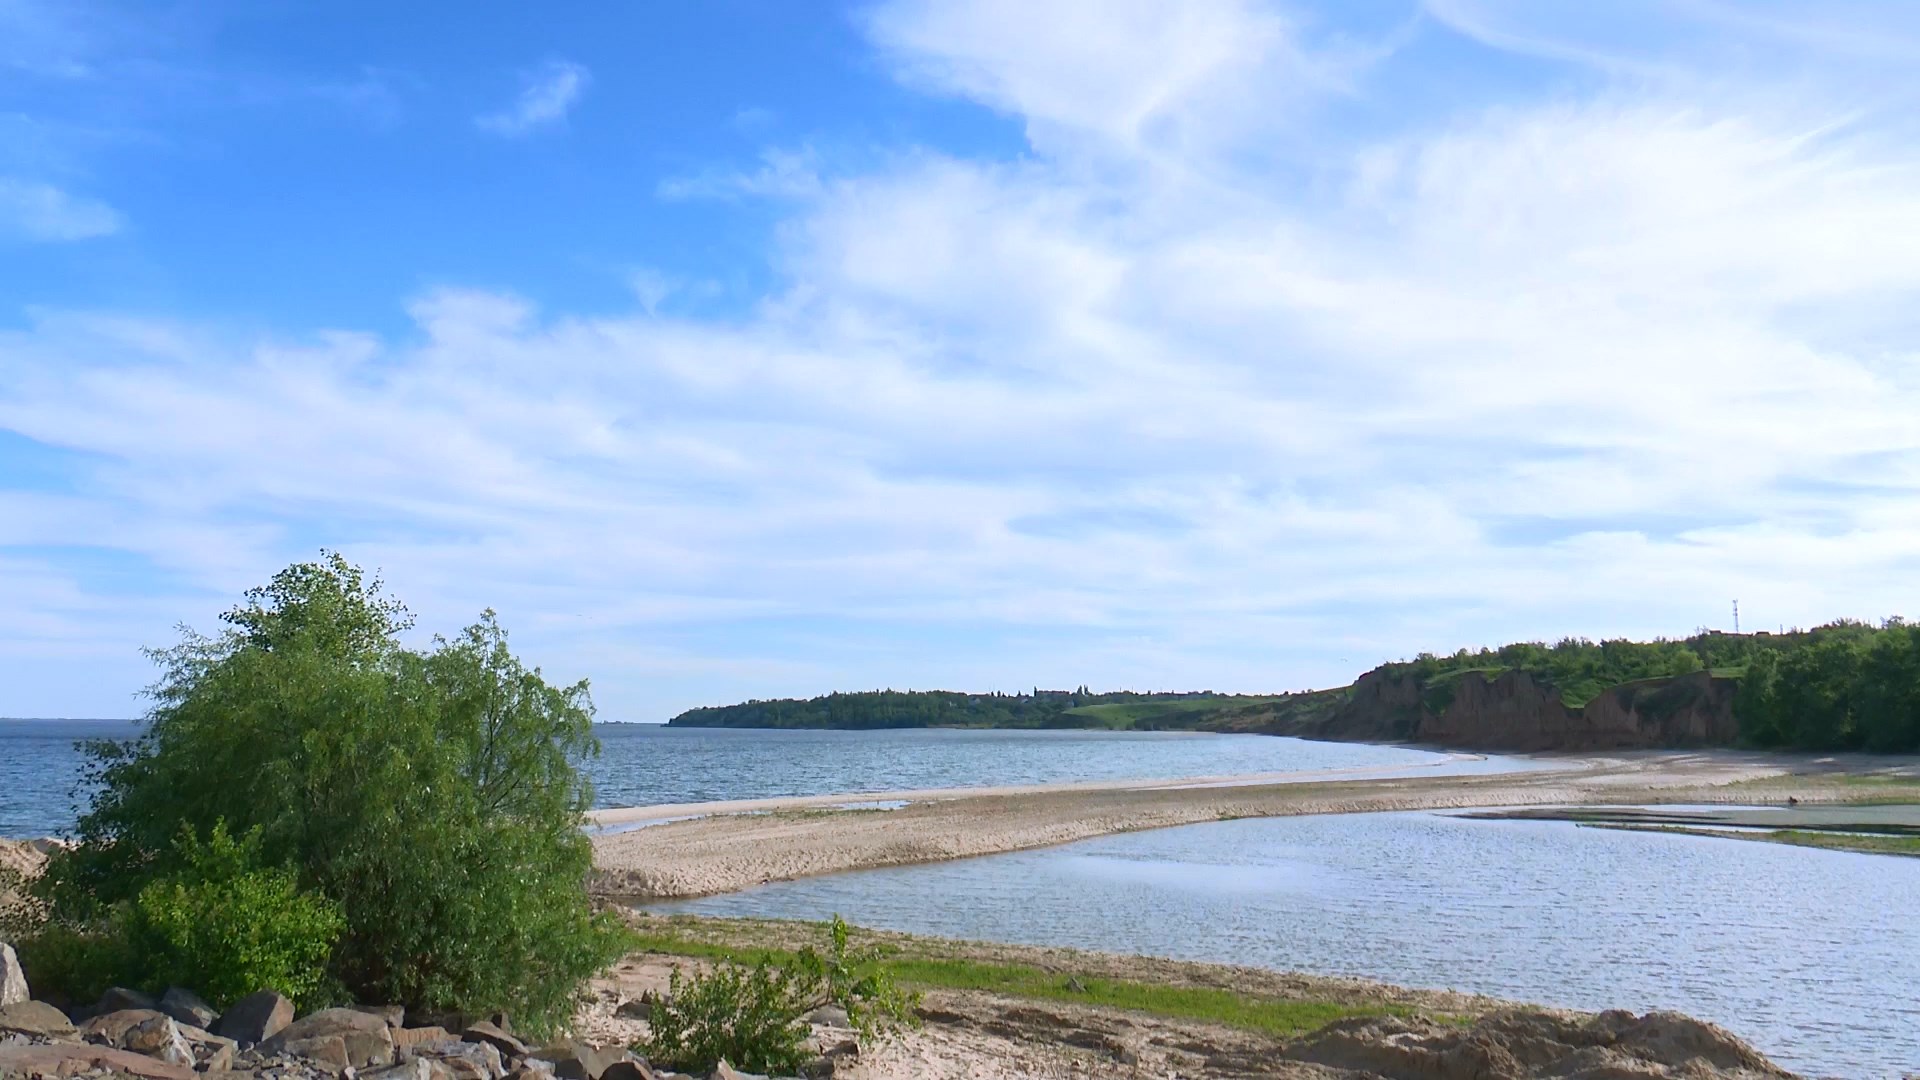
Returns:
(434, 795)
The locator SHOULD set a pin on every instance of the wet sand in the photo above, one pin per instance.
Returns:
(698, 849)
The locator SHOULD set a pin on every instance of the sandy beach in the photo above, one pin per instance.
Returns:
(697, 849)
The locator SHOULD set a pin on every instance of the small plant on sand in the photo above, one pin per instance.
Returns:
(754, 1017)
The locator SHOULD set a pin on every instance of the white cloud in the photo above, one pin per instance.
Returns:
(547, 94)
(40, 212)
(1108, 412)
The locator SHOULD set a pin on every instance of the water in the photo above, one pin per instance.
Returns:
(1813, 956)
(645, 764)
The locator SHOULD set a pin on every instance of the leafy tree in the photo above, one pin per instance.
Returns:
(433, 795)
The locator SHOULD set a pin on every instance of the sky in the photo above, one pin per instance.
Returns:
(754, 348)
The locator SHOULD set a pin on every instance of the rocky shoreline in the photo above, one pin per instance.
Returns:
(178, 1036)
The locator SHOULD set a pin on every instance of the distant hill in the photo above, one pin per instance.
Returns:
(1843, 686)
(872, 709)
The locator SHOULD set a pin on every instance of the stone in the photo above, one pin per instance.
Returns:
(411, 1069)
(187, 1007)
(328, 1050)
(13, 981)
(110, 1029)
(118, 998)
(488, 1032)
(69, 1059)
(640, 1008)
(35, 1018)
(404, 1038)
(578, 1061)
(255, 1018)
(629, 1068)
(724, 1071)
(159, 1037)
(394, 1015)
(829, 1016)
(461, 1060)
(531, 1069)
(368, 1039)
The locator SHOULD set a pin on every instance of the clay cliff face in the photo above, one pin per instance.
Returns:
(1516, 712)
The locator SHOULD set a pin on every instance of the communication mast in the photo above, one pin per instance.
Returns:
(1736, 616)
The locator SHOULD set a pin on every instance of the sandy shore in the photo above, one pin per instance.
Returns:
(697, 849)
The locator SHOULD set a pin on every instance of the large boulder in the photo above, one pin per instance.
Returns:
(159, 1037)
(368, 1039)
(13, 981)
(488, 1032)
(187, 1007)
(461, 1060)
(36, 1018)
(110, 1029)
(575, 1060)
(255, 1018)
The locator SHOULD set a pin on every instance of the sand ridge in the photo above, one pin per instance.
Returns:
(702, 849)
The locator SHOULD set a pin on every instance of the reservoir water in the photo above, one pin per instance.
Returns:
(643, 764)
(1814, 956)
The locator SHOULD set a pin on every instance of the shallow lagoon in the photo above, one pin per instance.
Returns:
(1814, 956)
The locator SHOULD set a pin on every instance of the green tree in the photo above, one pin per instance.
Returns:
(434, 795)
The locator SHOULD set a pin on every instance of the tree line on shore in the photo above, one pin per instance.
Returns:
(1846, 685)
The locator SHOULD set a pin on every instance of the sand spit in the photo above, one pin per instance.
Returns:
(721, 847)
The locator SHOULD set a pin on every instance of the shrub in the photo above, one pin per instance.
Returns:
(433, 796)
(226, 926)
(754, 1016)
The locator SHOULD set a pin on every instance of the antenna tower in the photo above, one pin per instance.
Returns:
(1736, 616)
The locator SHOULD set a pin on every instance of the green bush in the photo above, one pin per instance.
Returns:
(754, 1017)
(226, 926)
(433, 797)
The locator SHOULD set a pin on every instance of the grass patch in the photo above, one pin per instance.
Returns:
(1281, 1017)
(1865, 844)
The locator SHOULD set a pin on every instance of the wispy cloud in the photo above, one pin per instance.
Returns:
(1591, 360)
(30, 210)
(547, 94)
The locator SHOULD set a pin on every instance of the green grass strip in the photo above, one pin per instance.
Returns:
(1272, 1016)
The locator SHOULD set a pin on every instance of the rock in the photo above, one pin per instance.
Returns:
(488, 1032)
(394, 1015)
(118, 998)
(724, 1071)
(187, 1007)
(13, 981)
(368, 1040)
(829, 1016)
(255, 1018)
(159, 1037)
(69, 1059)
(110, 1029)
(404, 1038)
(461, 1060)
(411, 1069)
(1524, 1044)
(35, 1018)
(629, 1068)
(328, 1050)
(578, 1061)
(640, 1008)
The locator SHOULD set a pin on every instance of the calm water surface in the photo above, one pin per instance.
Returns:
(646, 764)
(1814, 956)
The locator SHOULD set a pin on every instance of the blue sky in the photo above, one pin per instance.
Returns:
(748, 349)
